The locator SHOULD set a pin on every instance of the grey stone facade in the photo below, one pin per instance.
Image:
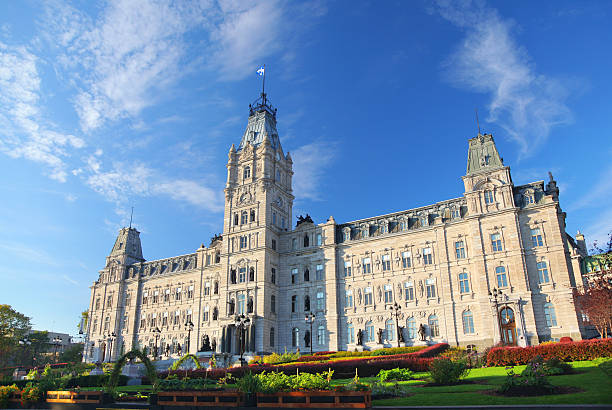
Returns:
(438, 263)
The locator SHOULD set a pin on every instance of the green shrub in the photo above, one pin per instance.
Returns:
(396, 350)
(395, 374)
(276, 358)
(249, 383)
(274, 382)
(30, 394)
(382, 390)
(174, 384)
(555, 366)
(446, 372)
(533, 381)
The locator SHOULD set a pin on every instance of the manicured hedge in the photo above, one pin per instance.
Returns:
(568, 351)
(366, 367)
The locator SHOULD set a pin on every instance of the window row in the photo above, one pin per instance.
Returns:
(240, 275)
(321, 337)
(152, 320)
(319, 274)
(243, 305)
(244, 217)
(306, 241)
(166, 295)
(320, 302)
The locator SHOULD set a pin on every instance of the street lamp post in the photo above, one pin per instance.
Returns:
(25, 342)
(395, 312)
(111, 338)
(493, 297)
(242, 322)
(189, 329)
(156, 332)
(310, 317)
(56, 343)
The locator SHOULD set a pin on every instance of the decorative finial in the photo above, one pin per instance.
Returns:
(131, 215)
(477, 122)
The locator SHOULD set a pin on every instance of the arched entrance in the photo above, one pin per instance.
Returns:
(508, 326)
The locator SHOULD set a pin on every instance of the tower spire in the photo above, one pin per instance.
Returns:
(477, 122)
(131, 215)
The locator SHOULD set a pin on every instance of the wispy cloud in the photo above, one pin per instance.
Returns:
(310, 163)
(24, 132)
(525, 103)
(70, 280)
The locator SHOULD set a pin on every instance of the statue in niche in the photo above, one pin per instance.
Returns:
(250, 305)
(359, 295)
(380, 335)
(251, 274)
(206, 344)
(213, 345)
(379, 294)
(233, 276)
(399, 291)
(307, 338)
(359, 337)
(401, 334)
(422, 332)
(421, 289)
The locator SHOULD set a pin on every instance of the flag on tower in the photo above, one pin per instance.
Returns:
(261, 71)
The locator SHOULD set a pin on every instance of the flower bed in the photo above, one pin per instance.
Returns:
(569, 351)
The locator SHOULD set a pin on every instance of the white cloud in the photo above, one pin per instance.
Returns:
(25, 134)
(70, 280)
(527, 105)
(310, 164)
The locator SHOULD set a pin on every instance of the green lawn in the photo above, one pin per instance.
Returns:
(597, 386)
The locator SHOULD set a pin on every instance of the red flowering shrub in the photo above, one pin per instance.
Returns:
(322, 353)
(569, 351)
(566, 339)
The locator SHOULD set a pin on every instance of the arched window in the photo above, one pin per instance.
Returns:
(468, 322)
(528, 198)
(295, 337)
(271, 337)
(369, 332)
(215, 314)
(549, 313)
(306, 303)
(389, 330)
(244, 217)
(306, 275)
(350, 334)
(411, 326)
(306, 241)
(246, 173)
(434, 328)
(321, 335)
(502, 279)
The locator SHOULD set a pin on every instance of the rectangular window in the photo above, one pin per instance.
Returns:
(242, 275)
(156, 296)
(386, 262)
(294, 275)
(431, 288)
(427, 257)
(273, 304)
(190, 292)
(319, 272)
(319, 239)
(243, 242)
(489, 197)
(496, 243)
(98, 303)
(206, 315)
(347, 269)
(165, 319)
(367, 296)
(536, 237)
(177, 295)
(177, 317)
(109, 302)
(273, 275)
(294, 243)
(349, 298)
(273, 244)
(143, 323)
(294, 303)
(543, 272)
(206, 288)
(464, 285)
(366, 265)
(409, 291)
(282, 222)
(388, 293)
(128, 299)
(502, 280)
(459, 250)
(455, 213)
(320, 301)
(188, 319)
(351, 334)
(406, 259)
(167, 295)
(241, 304)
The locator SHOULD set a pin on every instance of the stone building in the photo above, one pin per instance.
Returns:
(435, 268)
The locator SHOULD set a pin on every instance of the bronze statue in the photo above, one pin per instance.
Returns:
(422, 332)
(359, 337)
(380, 335)
(214, 345)
(401, 334)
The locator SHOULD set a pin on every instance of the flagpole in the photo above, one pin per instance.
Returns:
(263, 85)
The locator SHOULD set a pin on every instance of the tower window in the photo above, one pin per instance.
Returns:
(489, 197)
(502, 279)
(293, 303)
(427, 258)
(306, 275)
(460, 250)
(543, 272)
(431, 288)
(386, 262)
(464, 284)
(536, 237)
(273, 275)
(496, 243)
(273, 304)
(246, 173)
(235, 219)
(244, 218)
(274, 244)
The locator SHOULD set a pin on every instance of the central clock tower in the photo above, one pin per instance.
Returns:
(258, 208)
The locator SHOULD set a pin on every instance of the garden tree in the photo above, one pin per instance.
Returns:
(14, 326)
(594, 298)
(72, 355)
(39, 344)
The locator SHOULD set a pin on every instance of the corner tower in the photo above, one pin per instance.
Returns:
(258, 208)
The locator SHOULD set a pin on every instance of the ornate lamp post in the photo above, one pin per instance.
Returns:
(111, 338)
(57, 342)
(25, 342)
(395, 312)
(310, 317)
(242, 322)
(189, 329)
(156, 332)
(493, 297)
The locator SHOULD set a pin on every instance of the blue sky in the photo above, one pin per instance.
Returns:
(108, 105)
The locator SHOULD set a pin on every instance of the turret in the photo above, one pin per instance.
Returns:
(127, 249)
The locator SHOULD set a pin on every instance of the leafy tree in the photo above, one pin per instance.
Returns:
(594, 298)
(72, 355)
(14, 326)
(39, 344)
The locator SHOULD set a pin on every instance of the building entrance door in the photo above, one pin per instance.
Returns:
(508, 326)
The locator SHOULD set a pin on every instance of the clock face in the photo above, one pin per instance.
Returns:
(245, 197)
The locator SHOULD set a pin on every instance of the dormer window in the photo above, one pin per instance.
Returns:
(489, 197)
(246, 173)
(528, 198)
